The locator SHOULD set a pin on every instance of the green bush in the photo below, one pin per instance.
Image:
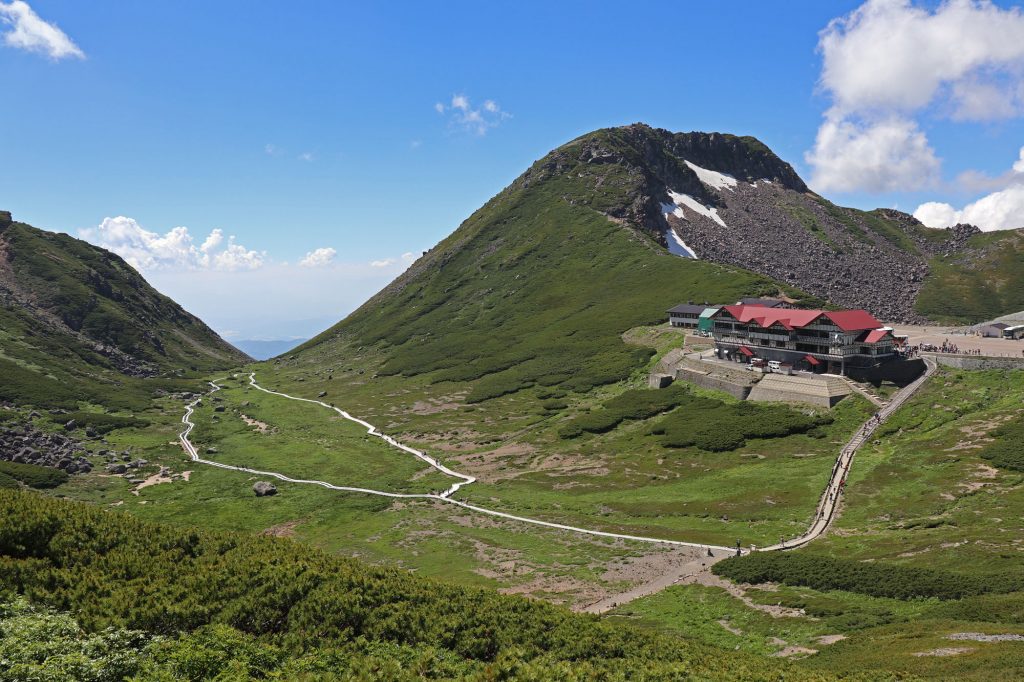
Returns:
(38, 644)
(237, 604)
(635, 405)
(104, 423)
(717, 426)
(1007, 452)
(8, 482)
(34, 476)
(874, 579)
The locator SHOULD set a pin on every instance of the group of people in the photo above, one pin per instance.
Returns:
(945, 347)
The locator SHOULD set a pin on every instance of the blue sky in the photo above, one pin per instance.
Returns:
(302, 126)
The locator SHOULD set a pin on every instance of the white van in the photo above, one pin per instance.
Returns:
(774, 366)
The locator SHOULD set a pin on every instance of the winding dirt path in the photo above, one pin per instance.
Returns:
(193, 453)
(691, 572)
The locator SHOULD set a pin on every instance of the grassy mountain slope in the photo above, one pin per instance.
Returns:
(538, 285)
(77, 322)
(984, 281)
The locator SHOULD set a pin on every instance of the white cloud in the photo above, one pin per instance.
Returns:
(306, 156)
(405, 260)
(1002, 210)
(999, 210)
(889, 61)
(318, 257)
(175, 250)
(1018, 165)
(462, 115)
(271, 149)
(891, 54)
(887, 155)
(28, 32)
(937, 214)
(237, 257)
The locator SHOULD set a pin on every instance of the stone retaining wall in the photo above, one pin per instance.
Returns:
(977, 361)
(703, 380)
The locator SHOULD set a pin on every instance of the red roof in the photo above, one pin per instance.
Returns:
(847, 320)
(876, 335)
(746, 351)
(811, 359)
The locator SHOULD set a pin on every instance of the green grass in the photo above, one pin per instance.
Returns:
(712, 615)
(922, 495)
(305, 441)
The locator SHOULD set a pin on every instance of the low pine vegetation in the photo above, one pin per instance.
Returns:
(243, 606)
(715, 426)
(104, 423)
(69, 382)
(633, 405)
(1007, 451)
(694, 420)
(873, 579)
(33, 476)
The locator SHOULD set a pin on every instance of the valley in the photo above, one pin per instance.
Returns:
(485, 423)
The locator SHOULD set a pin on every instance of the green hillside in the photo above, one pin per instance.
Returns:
(77, 324)
(279, 609)
(537, 286)
(980, 284)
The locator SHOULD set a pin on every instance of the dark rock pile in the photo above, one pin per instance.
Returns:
(26, 444)
(827, 251)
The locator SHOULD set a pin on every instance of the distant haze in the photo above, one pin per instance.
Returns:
(262, 350)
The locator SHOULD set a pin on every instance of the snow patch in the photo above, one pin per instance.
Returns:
(713, 178)
(677, 246)
(680, 200)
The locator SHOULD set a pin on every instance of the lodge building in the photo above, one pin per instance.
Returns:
(688, 315)
(816, 340)
(696, 316)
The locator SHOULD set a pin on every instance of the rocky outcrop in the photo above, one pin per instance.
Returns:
(25, 444)
(264, 488)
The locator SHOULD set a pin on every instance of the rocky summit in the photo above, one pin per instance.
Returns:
(731, 200)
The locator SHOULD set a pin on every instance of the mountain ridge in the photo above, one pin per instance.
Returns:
(538, 284)
(82, 316)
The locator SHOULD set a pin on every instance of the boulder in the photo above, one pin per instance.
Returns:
(321, 394)
(264, 488)
(117, 468)
(71, 425)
